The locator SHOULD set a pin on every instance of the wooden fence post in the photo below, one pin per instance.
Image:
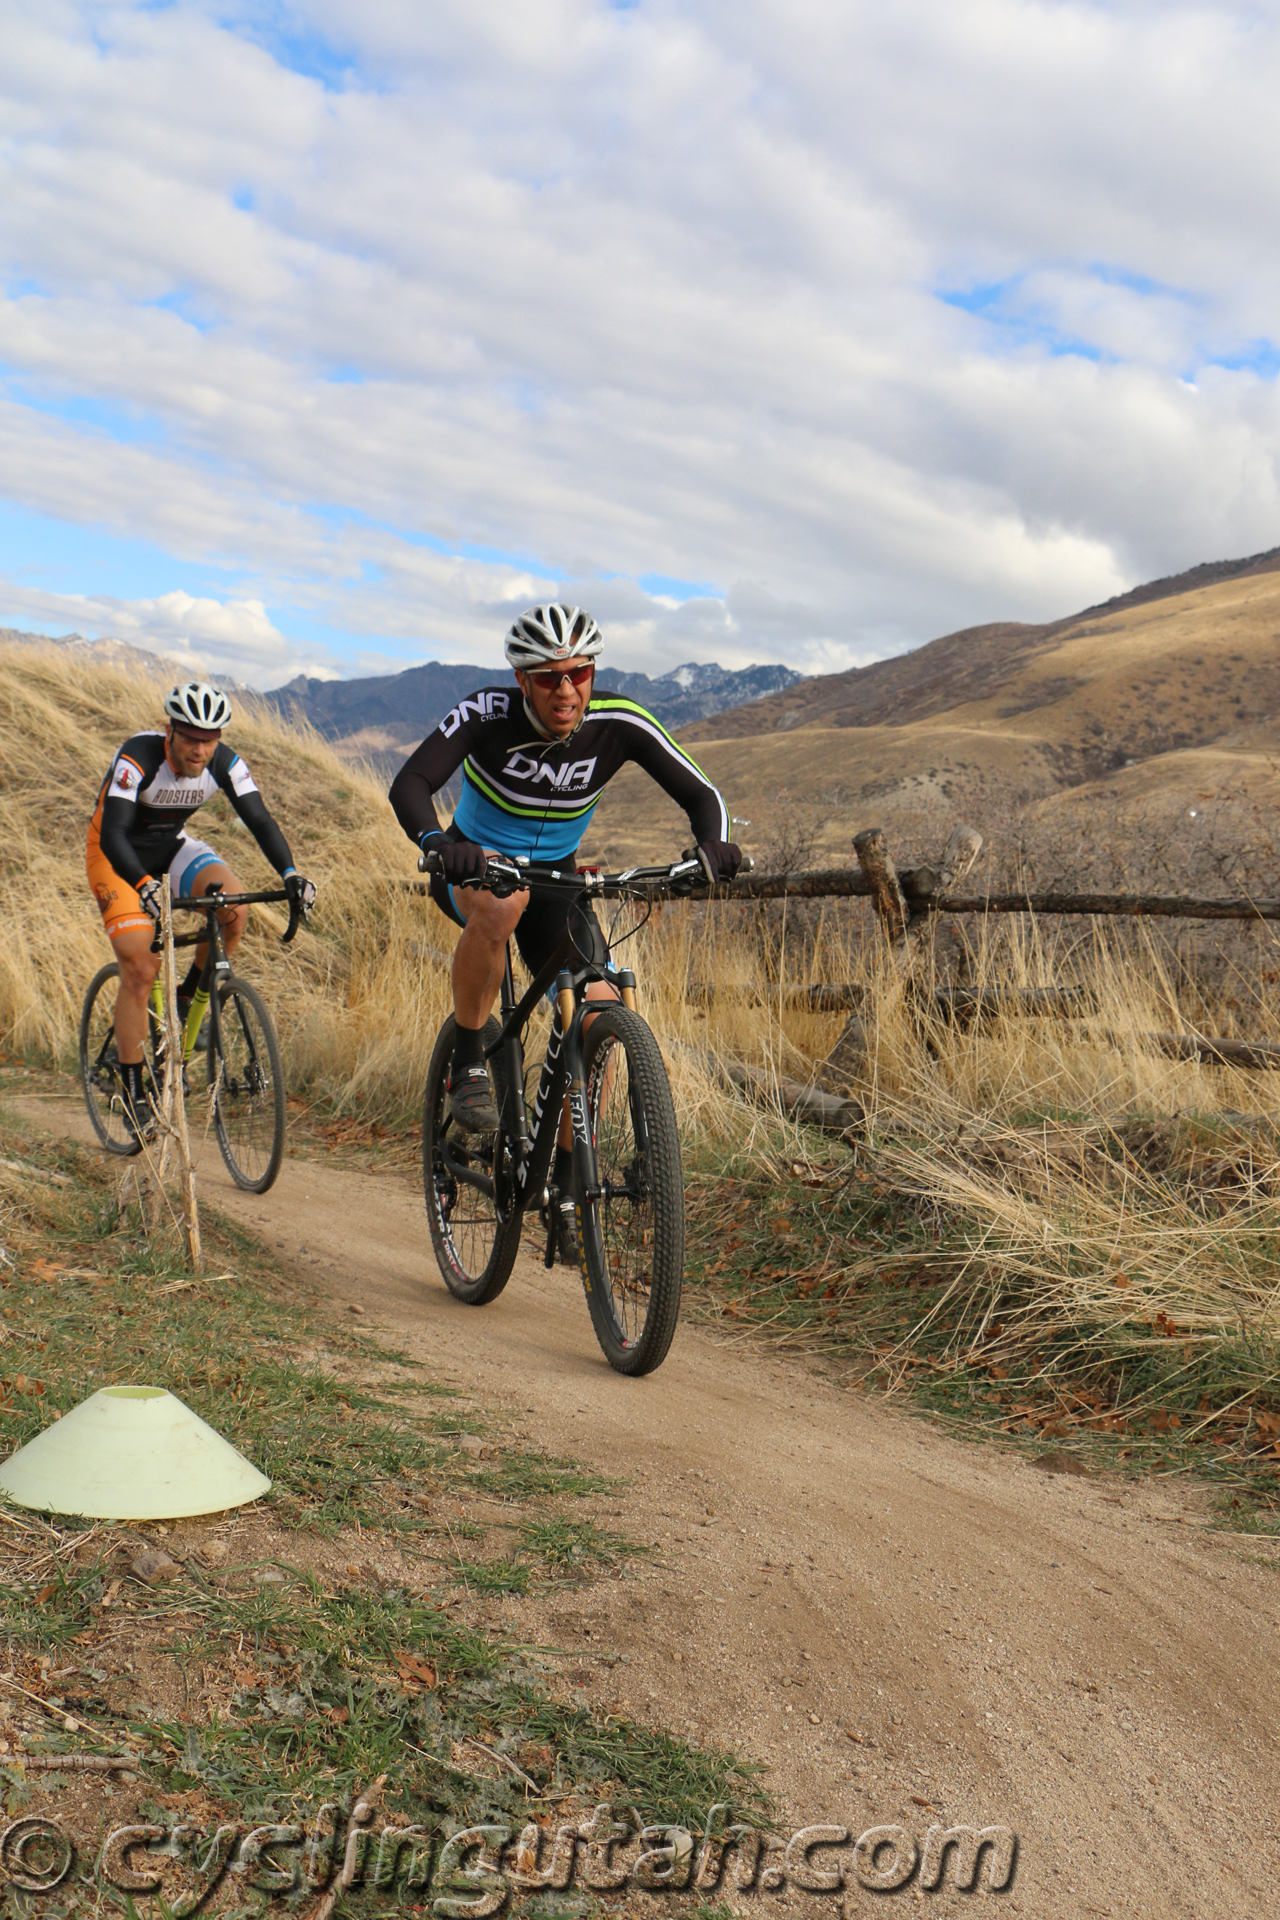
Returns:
(894, 916)
(173, 1106)
(886, 889)
(962, 849)
(904, 922)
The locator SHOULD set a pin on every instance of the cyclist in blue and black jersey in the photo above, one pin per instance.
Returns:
(535, 759)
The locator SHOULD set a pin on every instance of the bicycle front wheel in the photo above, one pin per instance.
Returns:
(633, 1231)
(245, 1070)
(474, 1246)
(100, 1074)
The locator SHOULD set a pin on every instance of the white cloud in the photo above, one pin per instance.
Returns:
(567, 292)
(235, 636)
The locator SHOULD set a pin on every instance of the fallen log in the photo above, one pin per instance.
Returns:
(807, 1104)
(1255, 1056)
(823, 997)
(973, 1003)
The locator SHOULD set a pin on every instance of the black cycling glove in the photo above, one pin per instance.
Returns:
(459, 859)
(302, 893)
(720, 858)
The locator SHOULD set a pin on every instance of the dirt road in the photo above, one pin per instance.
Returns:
(1080, 1660)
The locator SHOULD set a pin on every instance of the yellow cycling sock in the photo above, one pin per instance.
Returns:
(199, 1007)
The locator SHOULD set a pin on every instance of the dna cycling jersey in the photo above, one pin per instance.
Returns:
(523, 794)
(143, 806)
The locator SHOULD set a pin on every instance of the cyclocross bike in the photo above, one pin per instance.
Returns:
(629, 1188)
(242, 1053)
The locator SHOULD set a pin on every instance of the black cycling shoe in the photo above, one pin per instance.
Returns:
(139, 1122)
(471, 1100)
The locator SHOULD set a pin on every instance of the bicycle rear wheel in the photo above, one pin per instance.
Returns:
(244, 1064)
(100, 1074)
(475, 1247)
(633, 1233)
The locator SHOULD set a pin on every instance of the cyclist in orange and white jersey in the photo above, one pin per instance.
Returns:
(137, 836)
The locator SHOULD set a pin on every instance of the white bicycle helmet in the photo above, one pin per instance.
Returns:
(543, 636)
(199, 704)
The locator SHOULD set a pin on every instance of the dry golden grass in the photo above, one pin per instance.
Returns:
(1006, 1130)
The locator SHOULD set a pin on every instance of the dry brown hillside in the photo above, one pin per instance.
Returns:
(1159, 710)
(961, 668)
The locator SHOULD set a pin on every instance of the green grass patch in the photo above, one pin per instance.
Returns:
(564, 1543)
(492, 1576)
(828, 1258)
(330, 1680)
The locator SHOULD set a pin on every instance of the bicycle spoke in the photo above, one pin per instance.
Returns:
(100, 1075)
(474, 1246)
(633, 1241)
(250, 1099)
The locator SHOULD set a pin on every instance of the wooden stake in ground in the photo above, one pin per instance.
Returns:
(905, 919)
(886, 891)
(173, 1106)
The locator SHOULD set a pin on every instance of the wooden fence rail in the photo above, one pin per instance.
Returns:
(906, 902)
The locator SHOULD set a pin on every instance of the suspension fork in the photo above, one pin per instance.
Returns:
(512, 1051)
(571, 1015)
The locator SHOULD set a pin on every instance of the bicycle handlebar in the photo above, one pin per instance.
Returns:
(503, 876)
(215, 900)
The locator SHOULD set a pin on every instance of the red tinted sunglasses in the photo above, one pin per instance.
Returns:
(550, 680)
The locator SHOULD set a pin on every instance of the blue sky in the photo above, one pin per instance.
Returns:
(331, 337)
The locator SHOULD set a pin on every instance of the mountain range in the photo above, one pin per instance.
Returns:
(394, 711)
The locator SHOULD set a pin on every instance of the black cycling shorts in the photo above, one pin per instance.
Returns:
(541, 927)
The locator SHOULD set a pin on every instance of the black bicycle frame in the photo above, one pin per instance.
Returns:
(562, 1073)
(216, 963)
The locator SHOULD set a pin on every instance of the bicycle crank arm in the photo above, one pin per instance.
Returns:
(470, 1176)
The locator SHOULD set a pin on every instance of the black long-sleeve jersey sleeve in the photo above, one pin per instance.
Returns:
(143, 806)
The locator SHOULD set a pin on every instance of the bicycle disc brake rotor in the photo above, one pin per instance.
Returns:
(504, 1177)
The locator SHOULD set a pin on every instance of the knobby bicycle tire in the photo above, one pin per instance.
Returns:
(475, 1248)
(244, 1064)
(100, 1075)
(633, 1235)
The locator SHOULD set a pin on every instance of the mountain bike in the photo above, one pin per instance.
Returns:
(242, 1054)
(628, 1184)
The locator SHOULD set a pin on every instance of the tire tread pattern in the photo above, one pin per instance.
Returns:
(648, 1075)
(474, 1289)
(233, 987)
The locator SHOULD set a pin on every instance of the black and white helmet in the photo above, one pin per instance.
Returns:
(199, 704)
(543, 636)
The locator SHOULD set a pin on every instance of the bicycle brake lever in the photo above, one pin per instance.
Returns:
(297, 914)
(502, 878)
